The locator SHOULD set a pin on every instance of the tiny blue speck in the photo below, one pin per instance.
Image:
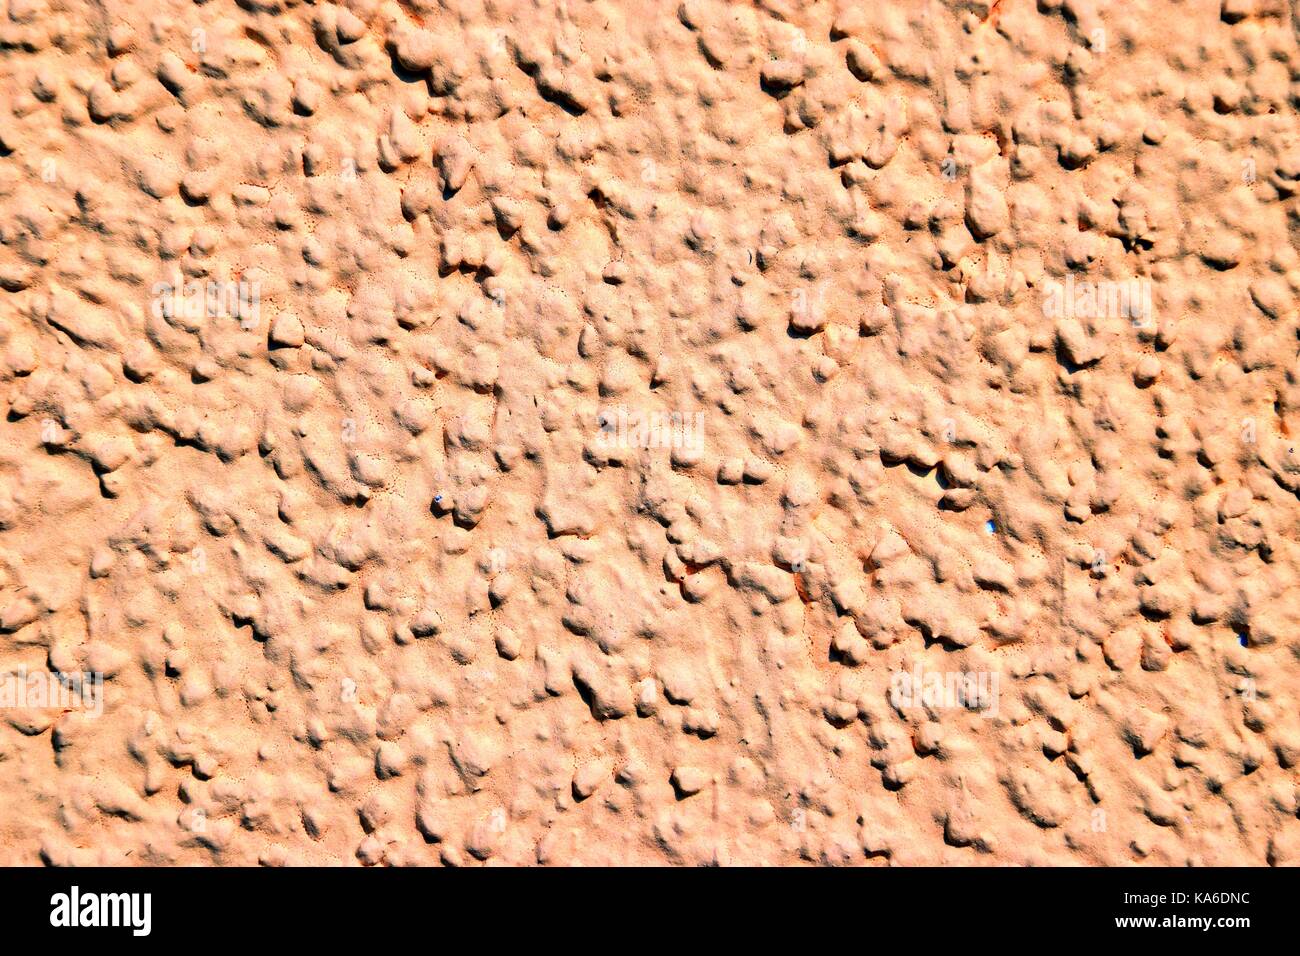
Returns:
(437, 499)
(990, 527)
(1245, 641)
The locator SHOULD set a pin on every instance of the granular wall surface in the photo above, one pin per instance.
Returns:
(626, 432)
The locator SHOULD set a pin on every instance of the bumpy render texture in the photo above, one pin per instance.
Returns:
(650, 432)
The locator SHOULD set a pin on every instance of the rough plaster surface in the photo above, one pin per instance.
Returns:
(375, 568)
